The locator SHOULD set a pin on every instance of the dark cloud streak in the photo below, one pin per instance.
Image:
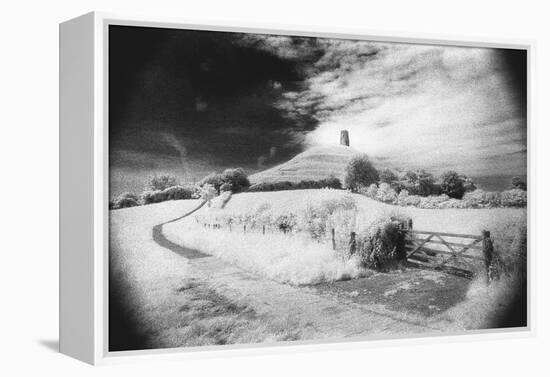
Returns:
(198, 87)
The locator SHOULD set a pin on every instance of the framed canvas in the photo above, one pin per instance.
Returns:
(240, 188)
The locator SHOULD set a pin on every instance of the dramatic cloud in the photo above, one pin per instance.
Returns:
(414, 106)
(191, 102)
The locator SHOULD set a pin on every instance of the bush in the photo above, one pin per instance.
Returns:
(519, 183)
(513, 198)
(225, 187)
(178, 193)
(382, 245)
(360, 172)
(425, 184)
(153, 196)
(370, 191)
(481, 199)
(432, 201)
(125, 200)
(162, 182)
(385, 194)
(469, 184)
(317, 219)
(388, 176)
(452, 184)
(286, 185)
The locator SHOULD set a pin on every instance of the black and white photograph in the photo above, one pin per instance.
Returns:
(279, 189)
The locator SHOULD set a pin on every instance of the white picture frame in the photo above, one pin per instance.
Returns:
(84, 187)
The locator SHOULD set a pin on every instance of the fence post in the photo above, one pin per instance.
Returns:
(488, 252)
(230, 227)
(244, 228)
(263, 230)
(352, 243)
(333, 239)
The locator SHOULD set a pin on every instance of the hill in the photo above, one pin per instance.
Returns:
(314, 164)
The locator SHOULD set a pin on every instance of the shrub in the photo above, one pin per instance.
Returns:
(388, 176)
(368, 191)
(207, 192)
(519, 183)
(386, 194)
(331, 182)
(153, 196)
(286, 185)
(316, 219)
(125, 200)
(425, 184)
(178, 193)
(404, 199)
(432, 201)
(452, 184)
(236, 178)
(382, 245)
(360, 172)
(513, 198)
(225, 187)
(410, 176)
(162, 182)
(481, 199)
(469, 184)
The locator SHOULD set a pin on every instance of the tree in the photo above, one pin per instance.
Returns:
(452, 184)
(207, 192)
(161, 182)
(214, 179)
(360, 173)
(237, 178)
(519, 183)
(388, 176)
(425, 183)
(469, 185)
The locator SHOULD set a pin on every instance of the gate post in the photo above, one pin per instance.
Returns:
(488, 253)
(352, 243)
(333, 239)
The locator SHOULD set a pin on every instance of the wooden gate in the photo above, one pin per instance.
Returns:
(464, 252)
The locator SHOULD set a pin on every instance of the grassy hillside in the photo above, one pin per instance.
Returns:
(444, 220)
(314, 164)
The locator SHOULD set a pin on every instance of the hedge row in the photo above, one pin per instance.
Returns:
(287, 185)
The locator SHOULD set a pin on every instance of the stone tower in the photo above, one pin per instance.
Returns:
(344, 138)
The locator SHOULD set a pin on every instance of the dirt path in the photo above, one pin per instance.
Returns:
(323, 313)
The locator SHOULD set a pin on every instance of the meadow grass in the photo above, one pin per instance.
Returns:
(162, 299)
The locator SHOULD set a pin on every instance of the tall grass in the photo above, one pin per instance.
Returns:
(284, 257)
(499, 303)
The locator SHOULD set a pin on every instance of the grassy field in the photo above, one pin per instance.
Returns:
(295, 258)
(158, 301)
(281, 256)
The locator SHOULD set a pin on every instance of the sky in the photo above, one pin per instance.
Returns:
(191, 102)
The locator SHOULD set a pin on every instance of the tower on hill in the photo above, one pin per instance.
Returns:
(344, 138)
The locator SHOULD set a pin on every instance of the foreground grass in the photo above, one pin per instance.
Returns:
(204, 317)
(156, 302)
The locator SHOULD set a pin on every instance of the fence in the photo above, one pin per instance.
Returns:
(424, 248)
